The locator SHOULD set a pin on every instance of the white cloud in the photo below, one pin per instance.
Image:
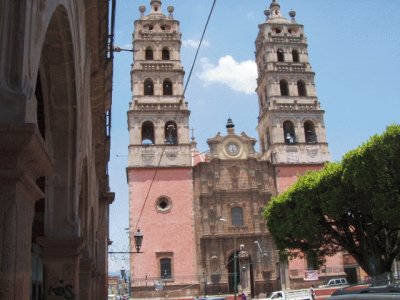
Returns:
(195, 43)
(239, 76)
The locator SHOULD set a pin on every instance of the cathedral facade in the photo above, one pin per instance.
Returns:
(202, 214)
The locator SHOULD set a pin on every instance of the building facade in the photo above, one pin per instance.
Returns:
(231, 189)
(55, 108)
(212, 204)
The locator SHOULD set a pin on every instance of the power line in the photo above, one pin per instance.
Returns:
(198, 48)
(184, 91)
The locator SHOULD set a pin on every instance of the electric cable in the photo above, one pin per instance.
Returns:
(183, 96)
(198, 48)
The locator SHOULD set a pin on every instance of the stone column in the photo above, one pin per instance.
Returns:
(61, 267)
(102, 246)
(85, 278)
(23, 159)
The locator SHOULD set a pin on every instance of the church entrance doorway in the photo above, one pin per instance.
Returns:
(233, 260)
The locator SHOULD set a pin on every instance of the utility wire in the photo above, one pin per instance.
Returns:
(187, 82)
(198, 48)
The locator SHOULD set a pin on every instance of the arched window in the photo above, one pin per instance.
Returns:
(301, 88)
(167, 87)
(295, 56)
(147, 133)
(284, 87)
(165, 54)
(288, 132)
(165, 268)
(148, 87)
(171, 133)
(237, 216)
(309, 132)
(281, 57)
(149, 54)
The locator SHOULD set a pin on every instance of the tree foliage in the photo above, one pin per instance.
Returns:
(352, 205)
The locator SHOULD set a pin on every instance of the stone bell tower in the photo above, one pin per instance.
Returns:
(159, 168)
(291, 122)
(158, 116)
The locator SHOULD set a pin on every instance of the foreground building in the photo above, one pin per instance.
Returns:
(55, 109)
(212, 204)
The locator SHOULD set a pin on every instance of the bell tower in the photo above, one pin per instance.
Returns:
(291, 122)
(159, 168)
(158, 116)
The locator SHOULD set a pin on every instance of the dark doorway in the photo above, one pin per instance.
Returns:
(231, 272)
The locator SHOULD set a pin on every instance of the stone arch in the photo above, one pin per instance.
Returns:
(295, 55)
(57, 76)
(284, 87)
(289, 133)
(171, 133)
(165, 53)
(148, 87)
(167, 87)
(301, 88)
(280, 55)
(149, 53)
(309, 132)
(56, 96)
(147, 136)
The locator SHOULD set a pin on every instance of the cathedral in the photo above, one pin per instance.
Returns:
(202, 213)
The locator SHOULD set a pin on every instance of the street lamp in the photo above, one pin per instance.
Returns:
(138, 237)
(123, 283)
(234, 259)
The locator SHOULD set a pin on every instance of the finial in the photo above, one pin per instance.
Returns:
(155, 6)
(170, 9)
(230, 124)
(142, 9)
(275, 9)
(267, 13)
(292, 14)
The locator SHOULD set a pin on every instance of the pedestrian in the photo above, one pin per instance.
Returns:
(312, 292)
(244, 296)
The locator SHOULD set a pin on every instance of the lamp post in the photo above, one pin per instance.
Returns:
(205, 283)
(138, 237)
(123, 283)
(234, 259)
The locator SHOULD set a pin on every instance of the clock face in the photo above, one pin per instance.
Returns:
(232, 148)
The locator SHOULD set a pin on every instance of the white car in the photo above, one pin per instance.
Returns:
(335, 282)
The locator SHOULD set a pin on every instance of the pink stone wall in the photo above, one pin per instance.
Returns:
(170, 232)
(287, 175)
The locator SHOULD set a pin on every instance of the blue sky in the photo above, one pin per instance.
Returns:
(353, 46)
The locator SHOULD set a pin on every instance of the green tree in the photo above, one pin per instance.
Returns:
(352, 205)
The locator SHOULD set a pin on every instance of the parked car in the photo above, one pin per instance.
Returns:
(367, 293)
(335, 282)
(304, 294)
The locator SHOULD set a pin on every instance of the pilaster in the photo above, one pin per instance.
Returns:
(23, 159)
(61, 260)
(86, 282)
